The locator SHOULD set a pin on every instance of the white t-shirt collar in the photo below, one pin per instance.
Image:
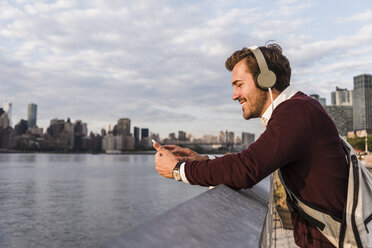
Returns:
(283, 96)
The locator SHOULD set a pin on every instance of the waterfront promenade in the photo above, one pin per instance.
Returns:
(282, 231)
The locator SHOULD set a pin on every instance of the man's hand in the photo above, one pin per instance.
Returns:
(185, 154)
(165, 161)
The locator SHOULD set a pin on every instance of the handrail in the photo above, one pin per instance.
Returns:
(220, 217)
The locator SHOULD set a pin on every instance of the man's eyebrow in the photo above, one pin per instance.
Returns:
(235, 82)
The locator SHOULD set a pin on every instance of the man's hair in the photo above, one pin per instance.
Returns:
(275, 60)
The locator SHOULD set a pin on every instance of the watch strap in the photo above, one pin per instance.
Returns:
(178, 165)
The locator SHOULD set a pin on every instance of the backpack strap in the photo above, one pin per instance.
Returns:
(328, 224)
(294, 206)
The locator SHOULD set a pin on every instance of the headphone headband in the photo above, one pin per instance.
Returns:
(266, 78)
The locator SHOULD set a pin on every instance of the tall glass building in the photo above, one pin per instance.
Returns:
(362, 101)
(31, 115)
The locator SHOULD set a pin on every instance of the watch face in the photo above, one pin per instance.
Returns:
(176, 175)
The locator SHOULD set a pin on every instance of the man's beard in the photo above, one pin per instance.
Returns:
(255, 110)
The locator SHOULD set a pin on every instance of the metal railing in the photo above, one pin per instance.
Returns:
(220, 217)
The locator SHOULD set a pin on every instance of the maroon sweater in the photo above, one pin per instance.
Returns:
(302, 141)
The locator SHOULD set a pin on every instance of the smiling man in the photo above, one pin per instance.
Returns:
(300, 139)
(252, 99)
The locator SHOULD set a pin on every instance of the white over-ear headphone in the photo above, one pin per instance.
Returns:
(266, 79)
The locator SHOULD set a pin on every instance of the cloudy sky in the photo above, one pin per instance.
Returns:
(161, 62)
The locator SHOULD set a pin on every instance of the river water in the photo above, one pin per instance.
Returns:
(80, 200)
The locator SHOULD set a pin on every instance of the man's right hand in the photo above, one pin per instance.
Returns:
(165, 161)
(185, 154)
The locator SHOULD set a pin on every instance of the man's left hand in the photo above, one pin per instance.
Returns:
(165, 161)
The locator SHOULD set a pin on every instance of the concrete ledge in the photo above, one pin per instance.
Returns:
(221, 217)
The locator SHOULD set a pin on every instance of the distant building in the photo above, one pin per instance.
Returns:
(212, 139)
(4, 120)
(108, 128)
(172, 136)
(123, 127)
(21, 127)
(55, 128)
(85, 129)
(136, 136)
(32, 114)
(65, 136)
(113, 144)
(155, 136)
(190, 137)
(108, 143)
(35, 131)
(128, 142)
(79, 133)
(182, 136)
(342, 97)
(341, 110)
(144, 133)
(145, 138)
(222, 137)
(120, 138)
(93, 143)
(66, 139)
(7, 137)
(362, 102)
(247, 139)
(7, 106)
(231, 137)
(342, 116)
(136, 133)
(321, 100)
(238, 140)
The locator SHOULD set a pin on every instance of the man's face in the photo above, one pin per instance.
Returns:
(249, 96)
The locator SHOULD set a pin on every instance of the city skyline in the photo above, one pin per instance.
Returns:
(145, 131)
(163, 63)
(338, 98)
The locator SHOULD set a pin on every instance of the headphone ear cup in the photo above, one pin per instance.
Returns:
(257, 83)
(266, 78)
(266, 81)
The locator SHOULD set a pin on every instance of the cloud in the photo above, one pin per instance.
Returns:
(360, 17)
(160, 63)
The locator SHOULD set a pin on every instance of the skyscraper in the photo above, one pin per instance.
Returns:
(31, 115)
(123, 127)
(362, 101)
(7, 106)
(136, 132)
(108, 128)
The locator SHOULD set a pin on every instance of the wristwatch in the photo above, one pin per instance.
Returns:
(176, 172)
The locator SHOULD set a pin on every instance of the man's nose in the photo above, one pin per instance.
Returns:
(235, 95)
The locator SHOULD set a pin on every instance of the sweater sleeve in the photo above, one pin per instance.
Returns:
(285, 140)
